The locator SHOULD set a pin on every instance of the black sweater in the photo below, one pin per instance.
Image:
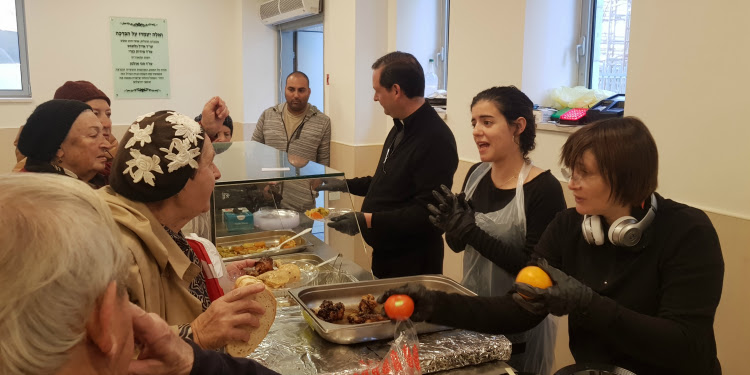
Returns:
(654, 306)
(404, 241)
(543, 199)
(211, 362)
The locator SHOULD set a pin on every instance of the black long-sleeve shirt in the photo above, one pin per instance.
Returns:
(404, 241)
(543, 199)
(654, 305)
(211, 362)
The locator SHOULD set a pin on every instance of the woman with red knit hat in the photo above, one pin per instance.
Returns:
(85, 91)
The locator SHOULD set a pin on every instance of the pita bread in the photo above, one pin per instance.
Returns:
(268, 301)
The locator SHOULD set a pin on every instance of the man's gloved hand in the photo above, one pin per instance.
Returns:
(332, 184)
(424, 300)
(565, 296)
(454, 215)
(347, 223)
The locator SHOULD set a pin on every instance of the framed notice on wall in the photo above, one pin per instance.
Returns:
(140, 58)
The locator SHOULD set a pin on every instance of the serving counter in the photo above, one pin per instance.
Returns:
(263, 192)
(293, 347)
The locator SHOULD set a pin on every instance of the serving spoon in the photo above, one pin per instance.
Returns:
(277, 247)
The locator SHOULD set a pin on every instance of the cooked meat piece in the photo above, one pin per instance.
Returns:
(252, 271)
(264, 265)
(359, 318)
(355, 318)
(330, 312)
(370, 318)
(367, 304)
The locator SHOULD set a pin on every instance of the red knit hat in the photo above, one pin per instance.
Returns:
(80, 90)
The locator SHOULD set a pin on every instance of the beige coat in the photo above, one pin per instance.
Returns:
(160, 273)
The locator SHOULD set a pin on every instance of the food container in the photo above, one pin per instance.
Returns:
(326, 274)
(271, 238)
(350, 294)
(273, 219)
(238, 220)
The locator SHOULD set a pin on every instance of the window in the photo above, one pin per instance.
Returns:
(442, 56)
(301, 49)
(14, 68)
(603, 49)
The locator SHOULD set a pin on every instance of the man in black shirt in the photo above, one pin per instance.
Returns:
(418, 156)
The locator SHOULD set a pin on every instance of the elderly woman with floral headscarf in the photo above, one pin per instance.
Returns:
(64, 137)
(162, 177)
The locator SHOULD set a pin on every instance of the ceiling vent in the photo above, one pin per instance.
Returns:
(275, 12)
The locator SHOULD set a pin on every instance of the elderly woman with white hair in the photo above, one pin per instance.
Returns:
(162, 177)
(65, 308)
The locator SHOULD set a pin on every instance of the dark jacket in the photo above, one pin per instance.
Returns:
(404, 241)
(654, 304)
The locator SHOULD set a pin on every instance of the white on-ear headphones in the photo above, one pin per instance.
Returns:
(625, 231)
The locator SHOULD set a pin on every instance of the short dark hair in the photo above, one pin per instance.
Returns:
(625, 152)
(298, 73)
(512, 103)
(227, 122)
(403, 69)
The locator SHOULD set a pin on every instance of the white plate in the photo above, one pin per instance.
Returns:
(333, 212)
(308, 272)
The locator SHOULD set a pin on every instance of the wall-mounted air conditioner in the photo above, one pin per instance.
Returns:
(275, 12)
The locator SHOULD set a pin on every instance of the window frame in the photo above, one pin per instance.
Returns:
(442, 56)
(23, 58)
(585, 43)
(586, 49)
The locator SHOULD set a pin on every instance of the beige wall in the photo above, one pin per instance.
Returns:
(70, 40)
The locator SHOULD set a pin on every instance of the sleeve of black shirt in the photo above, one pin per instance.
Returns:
(542, 202)
(435, 167)
(359, 185)
(495, 315)
(211, 362)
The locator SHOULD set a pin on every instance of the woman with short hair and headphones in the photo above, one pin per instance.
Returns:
(639, 275)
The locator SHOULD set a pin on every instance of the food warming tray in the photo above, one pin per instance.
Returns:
(271, 238)
(350, 294)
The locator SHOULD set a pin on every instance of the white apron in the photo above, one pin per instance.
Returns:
(487, 279)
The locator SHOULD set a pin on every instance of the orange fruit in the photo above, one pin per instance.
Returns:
(399, 306)
(316, 216)
(534, 276)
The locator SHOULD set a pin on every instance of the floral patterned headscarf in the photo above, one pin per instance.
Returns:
(157, 156)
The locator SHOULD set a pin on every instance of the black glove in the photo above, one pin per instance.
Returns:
(454, 215)
(347, 223)
(332, 184)
(424, 300)
(565, 295)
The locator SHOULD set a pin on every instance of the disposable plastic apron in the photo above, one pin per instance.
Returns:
(487, 279)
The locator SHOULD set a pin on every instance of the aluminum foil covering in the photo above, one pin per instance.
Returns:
(292, 347)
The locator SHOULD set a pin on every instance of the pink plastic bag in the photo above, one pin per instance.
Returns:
(403, 356)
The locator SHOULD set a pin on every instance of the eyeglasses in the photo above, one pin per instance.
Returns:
(576, 176)
(569, 175)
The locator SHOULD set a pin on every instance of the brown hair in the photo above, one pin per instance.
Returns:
(625, 152)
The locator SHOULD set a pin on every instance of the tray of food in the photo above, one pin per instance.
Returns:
(257, 245)
(284, 272)
(349, 314)
(326, 214)
(279, 275)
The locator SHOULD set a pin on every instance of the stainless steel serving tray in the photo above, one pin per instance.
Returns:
(271, 238)
(350, 294)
